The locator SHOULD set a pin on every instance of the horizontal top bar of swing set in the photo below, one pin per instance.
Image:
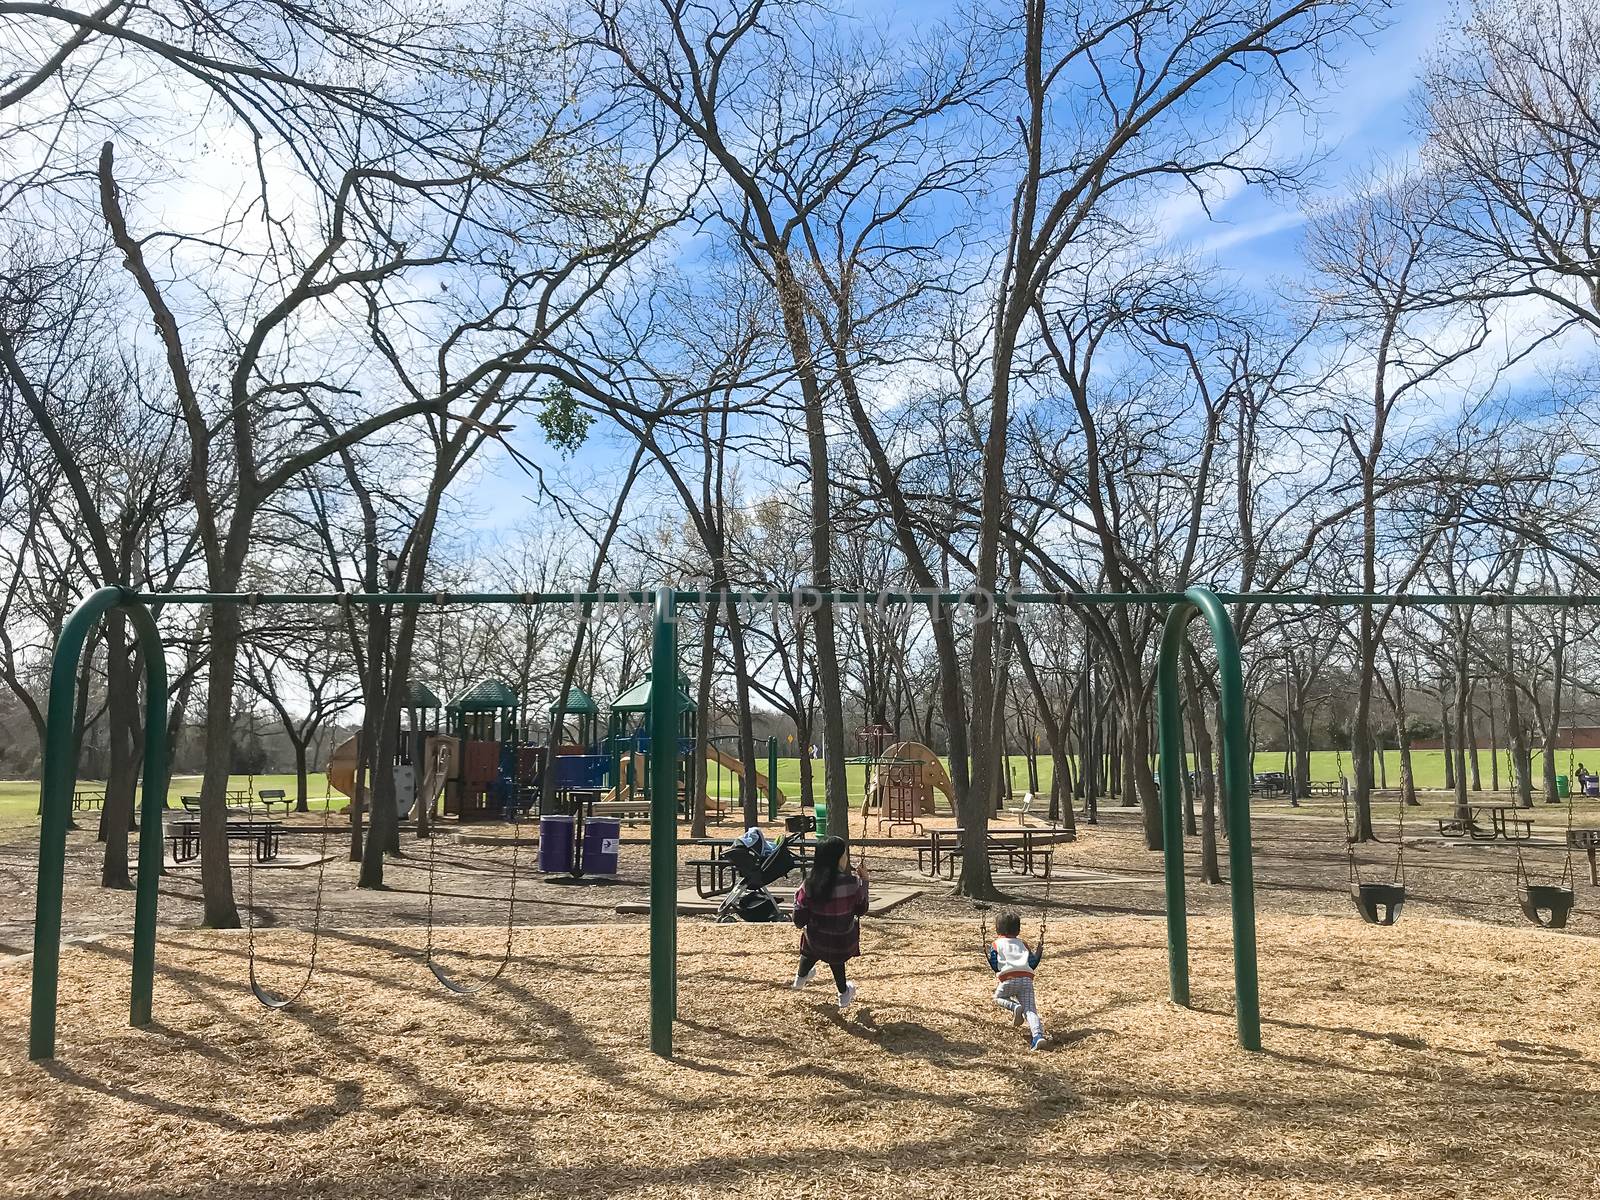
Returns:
(811, 597)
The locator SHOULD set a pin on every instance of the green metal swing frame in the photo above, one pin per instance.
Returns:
(60, 764)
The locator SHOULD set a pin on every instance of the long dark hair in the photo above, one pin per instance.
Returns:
(826, 867)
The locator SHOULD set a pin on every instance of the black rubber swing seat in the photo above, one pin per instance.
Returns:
(1378, 903)
(1537, 899)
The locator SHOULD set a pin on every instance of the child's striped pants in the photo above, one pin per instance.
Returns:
(1016, 995)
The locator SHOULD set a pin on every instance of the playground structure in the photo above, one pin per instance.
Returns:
(901, 782)
(663, 724)
(493, 767)
(493, 771)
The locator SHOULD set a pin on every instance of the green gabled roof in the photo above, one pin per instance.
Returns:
(487, 696)
(637, 698)
(420, 695)
(579, 704)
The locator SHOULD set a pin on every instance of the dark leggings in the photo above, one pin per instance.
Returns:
(807, 962)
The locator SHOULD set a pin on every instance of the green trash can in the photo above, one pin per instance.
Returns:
(819, 809)
(1563, 787)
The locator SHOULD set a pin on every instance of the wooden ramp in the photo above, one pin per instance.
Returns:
(885, 899)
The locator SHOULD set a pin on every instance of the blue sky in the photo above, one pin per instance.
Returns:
(1364, 119)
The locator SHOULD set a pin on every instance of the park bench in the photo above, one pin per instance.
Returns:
(265, 838)
(240, 801)
(629, 810)
(271, 796)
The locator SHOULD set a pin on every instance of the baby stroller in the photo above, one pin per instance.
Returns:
(759, 864)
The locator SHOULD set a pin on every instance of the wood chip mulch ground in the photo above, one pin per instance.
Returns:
(1434, 1059)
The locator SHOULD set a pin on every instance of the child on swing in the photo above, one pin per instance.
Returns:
(1014, 964)
(828, 909)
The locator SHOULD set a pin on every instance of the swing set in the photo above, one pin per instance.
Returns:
(60, 769)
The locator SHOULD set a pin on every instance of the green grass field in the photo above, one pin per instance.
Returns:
(1428, 766)
(19, 798)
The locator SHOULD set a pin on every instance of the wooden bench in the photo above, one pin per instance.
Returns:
(235, 801)
(265, 838)
(629, 810)
(272, 796)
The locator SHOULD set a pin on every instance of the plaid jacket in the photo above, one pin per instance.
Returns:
(832, 929)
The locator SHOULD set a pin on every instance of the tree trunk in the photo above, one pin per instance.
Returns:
(1494, 746)
(122, 694)
(301, 802)
(748, 798)
(1463, 725)
(702, 698)
(216, 875)
(1471, 718)
(1055, 735)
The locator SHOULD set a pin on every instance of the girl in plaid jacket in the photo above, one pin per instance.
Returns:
(828, 909)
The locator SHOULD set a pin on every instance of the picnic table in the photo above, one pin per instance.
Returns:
(1486, 822)
(1325, 787)
(1014, 841)
(1269, 783)
(88, 799)
(183, 835)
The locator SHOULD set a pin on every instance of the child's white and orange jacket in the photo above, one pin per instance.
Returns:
(1010, 958)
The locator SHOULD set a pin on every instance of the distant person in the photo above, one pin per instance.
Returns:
(828, 909)
(1014, 964)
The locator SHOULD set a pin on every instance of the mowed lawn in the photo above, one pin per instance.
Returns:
(1428, 766)
(19, 798)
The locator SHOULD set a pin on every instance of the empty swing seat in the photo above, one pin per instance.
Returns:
(1378, 903)
(1538, 899)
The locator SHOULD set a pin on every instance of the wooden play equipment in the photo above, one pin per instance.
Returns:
(908, 774)
(437, 755)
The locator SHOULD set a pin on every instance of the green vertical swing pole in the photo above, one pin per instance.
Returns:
(1233, 718)
(663, 824)
(140, 1003)
(772, 779)
(55, 801)
(1236, 805)
(1169, 733)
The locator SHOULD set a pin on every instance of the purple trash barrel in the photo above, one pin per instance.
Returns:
(602, 837)
(555, 843)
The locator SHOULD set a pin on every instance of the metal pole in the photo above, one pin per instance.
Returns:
(1169, 733)
(1232, 717)
(152, 802)
(772, 778)
(55, 804)
(663, 824)
(1236, 807)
